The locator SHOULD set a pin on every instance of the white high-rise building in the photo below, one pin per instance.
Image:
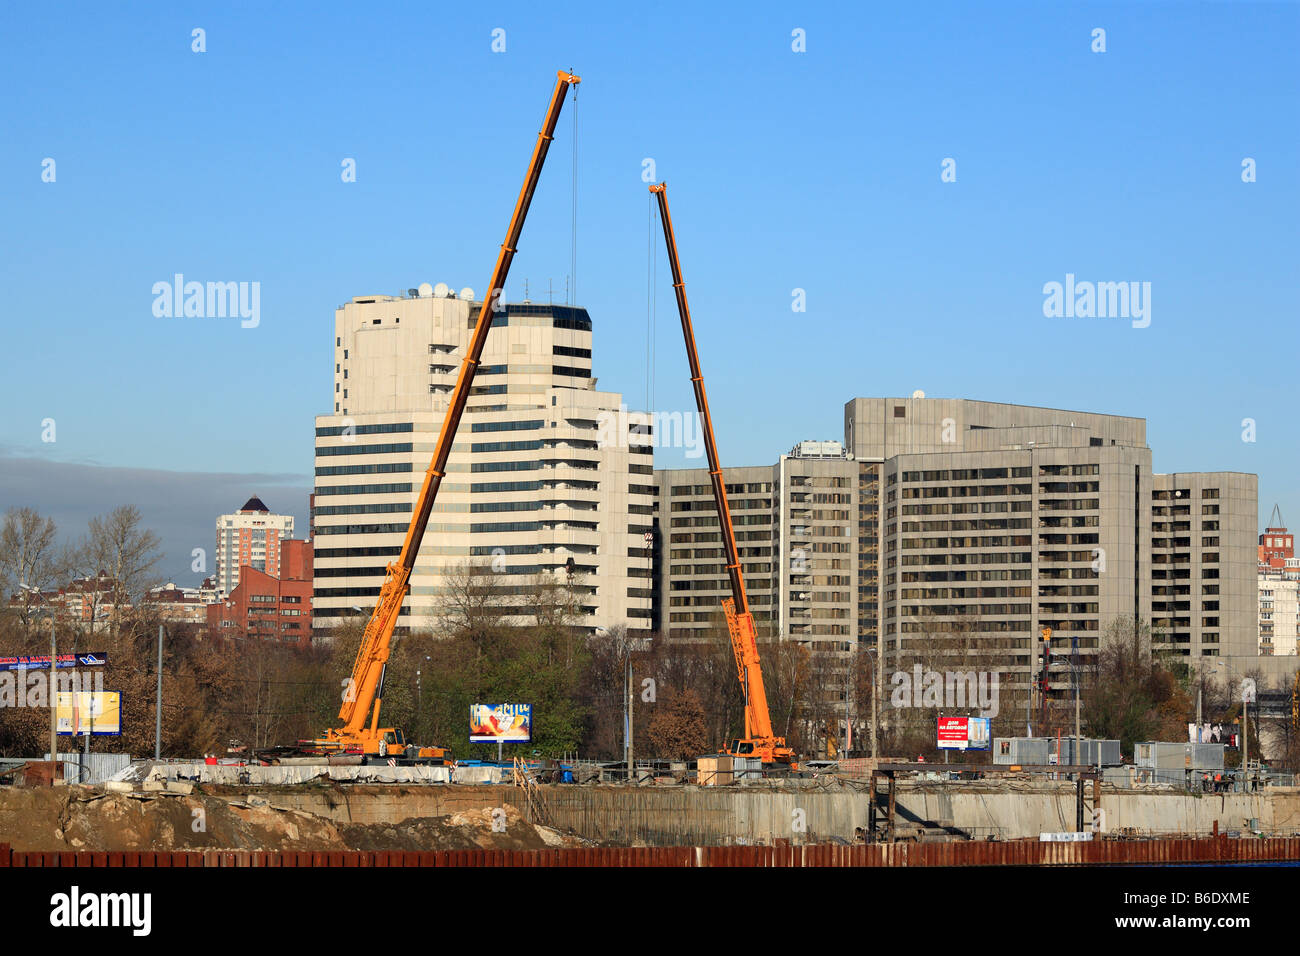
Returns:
(250, 536)
(533, 485)
(1279, 616)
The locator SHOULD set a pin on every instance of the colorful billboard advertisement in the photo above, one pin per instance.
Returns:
(89, 712)
(500, 723)
(34, 662)
(964, 733)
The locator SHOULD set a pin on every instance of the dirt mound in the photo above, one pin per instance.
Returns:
(87, 818)
(492, 828)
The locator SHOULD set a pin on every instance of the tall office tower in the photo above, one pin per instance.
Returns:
(251, 536)
(547, 475)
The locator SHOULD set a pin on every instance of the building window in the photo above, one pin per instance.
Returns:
(900, 411)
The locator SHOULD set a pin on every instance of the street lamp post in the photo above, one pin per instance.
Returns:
(50, 689)
(874, 658)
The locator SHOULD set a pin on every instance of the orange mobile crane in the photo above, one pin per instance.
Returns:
(360, 732)
(759, 740)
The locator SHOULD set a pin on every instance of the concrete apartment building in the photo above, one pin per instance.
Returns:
(546, 472)
(796, 525)
(694, 581)
(250, 537)
(1203, 528)
(942, 516)
(1073, 529)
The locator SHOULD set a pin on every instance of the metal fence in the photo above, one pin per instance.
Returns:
(1012, 853)
(92, 768)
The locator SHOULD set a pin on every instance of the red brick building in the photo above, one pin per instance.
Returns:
(267, 607)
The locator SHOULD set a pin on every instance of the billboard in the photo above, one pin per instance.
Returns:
(500, 723)
(33, 662)
(89, 712)
(964, 733)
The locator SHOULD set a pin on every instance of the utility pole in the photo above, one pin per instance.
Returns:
(630, 778)
(1078, 681)
(1245, 744)
(848, 716)
(90, 730)
(54, 697)
(875, 694)
(157, 727)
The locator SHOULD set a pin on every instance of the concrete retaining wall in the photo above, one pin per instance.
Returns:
(1028, 812)
(676, 816)
(742, 815)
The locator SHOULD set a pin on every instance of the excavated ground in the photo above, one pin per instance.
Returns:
(89, 818)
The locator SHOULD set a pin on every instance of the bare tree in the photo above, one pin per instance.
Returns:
(119, 547)
(476, 602)
(28, 556)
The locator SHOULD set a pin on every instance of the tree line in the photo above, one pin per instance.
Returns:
(502, 640)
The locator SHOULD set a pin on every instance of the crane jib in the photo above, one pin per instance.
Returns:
(760, 740)
(363, 688)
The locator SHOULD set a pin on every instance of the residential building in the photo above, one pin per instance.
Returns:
(547, 475)
(1279, 616)
(1204, 598)
(992, 521)
(181, 605)
(249, 538)
(1277, 552)
(268, 607)
(693, 581)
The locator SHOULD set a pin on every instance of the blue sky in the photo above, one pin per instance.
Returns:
(817, 170)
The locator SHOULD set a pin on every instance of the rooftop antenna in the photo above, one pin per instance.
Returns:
(525, 290)
(550, 293)
(1277, 513)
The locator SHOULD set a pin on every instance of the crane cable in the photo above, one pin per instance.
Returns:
(573, 234)
(651, 303)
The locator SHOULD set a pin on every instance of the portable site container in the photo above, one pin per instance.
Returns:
(1207, 756)
(1022, 750)
(1161, 755)
(1088, 747)
(1166, 755)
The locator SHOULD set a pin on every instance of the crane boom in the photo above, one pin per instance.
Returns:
(365, 688)
(759, 738)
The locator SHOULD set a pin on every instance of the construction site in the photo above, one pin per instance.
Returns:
(362, 793)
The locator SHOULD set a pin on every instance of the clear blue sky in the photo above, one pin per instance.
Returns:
(816, 170)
